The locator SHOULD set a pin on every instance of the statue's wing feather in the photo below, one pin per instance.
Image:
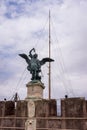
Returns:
(44, 60)
(25, 57)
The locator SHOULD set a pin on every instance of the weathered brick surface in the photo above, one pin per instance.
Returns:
(54, 124)
(45, 108)
(2, 105)
(21, 109)
(7, 109)
(70, 107)
(73, 107)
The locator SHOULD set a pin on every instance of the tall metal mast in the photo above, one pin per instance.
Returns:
(49, 57)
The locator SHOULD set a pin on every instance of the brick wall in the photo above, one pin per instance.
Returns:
(73, 107)
(70, 107)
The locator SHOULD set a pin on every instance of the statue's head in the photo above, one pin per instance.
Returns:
(35, 55)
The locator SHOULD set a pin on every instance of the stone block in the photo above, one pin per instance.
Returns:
(34, 90)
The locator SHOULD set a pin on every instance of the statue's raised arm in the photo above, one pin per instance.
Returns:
(30, 52)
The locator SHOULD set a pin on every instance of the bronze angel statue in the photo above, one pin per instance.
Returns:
(34, 64)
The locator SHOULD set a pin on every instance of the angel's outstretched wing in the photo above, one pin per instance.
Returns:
(44, 60)
(25, 57)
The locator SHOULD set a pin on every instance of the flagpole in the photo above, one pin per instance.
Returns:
(49, 57)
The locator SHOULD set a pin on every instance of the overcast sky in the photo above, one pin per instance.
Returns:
(24, 25)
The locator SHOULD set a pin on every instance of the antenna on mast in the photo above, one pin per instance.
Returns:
(49, 82)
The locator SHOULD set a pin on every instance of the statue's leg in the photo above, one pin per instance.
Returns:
(33, 75)
(37, 76)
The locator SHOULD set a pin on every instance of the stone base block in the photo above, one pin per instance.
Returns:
(34, 90)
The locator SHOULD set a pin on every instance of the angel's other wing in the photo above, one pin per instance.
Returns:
(44, 60)
(25, 57)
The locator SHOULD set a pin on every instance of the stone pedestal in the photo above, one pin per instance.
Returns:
(35, 90)
(34, 93)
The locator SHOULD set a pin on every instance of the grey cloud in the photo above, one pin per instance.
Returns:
(21, 33)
